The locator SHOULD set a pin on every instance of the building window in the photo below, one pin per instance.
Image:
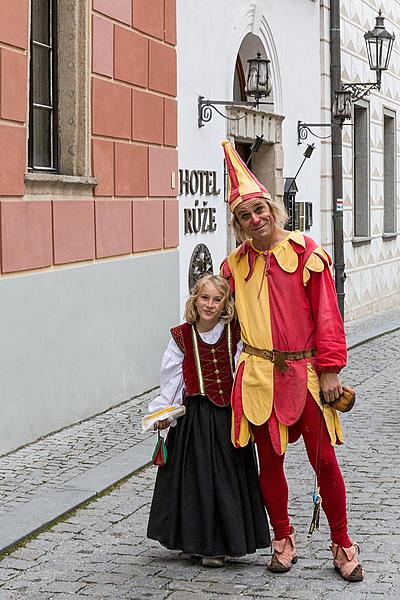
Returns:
(59, 84)
(361, 207)
(43, 116)
(389, 172)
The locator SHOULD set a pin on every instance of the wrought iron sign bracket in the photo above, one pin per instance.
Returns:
(303, 129)
(205, 108)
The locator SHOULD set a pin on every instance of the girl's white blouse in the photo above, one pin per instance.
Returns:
(171, 377)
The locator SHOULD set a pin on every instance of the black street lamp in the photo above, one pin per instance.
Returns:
(379, 43)
(379, 47)
(258, 85)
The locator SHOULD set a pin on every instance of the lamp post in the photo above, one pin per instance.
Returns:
(379, 43)
(258, 85)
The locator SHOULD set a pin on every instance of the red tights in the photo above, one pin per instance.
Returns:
(273, 482)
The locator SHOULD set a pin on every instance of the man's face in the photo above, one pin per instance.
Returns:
(256, 219)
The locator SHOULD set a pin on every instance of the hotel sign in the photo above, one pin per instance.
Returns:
(200, 218)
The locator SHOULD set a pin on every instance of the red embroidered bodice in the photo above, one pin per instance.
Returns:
(207, 368)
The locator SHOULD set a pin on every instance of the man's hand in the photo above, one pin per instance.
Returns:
(330, 386)
(161, 424)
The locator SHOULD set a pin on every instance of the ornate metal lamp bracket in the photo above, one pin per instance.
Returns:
(359, 90)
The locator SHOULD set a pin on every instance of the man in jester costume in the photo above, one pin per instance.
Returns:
(293, 347)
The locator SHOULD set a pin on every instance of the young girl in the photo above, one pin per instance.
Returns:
(206, 499)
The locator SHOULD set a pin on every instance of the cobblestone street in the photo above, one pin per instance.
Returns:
(101, 550)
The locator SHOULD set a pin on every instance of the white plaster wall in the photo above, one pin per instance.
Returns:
(373, 270)
(79, 340)
(209, 37)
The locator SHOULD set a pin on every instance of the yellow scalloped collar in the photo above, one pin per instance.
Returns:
(317, 261)
(284, 252)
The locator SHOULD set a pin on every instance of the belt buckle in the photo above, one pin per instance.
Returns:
(279, 361)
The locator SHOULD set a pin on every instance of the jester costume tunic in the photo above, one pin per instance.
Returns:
(285, 300)
(207, 499)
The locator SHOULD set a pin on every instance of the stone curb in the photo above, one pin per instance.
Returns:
(358, 339)
(46, 508)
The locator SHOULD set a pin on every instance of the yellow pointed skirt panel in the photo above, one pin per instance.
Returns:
(330, 414)
(257, 388)
(257, 398)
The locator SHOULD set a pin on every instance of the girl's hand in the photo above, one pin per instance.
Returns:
(161, 424)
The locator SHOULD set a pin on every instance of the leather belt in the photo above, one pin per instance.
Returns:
(279, 357)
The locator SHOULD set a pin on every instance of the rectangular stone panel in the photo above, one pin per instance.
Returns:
(14, 22)
(113, 227)
(103, 166)
(26, 235)
(73, 222)
(13, 85)
(147, 217)
(163, 167)
(131, 57)
(131, 170)
(171, 223)
(111, 109)
(170, 22)
(170, 122)
(103, 46)
(12, 160)
(121, 10)
(149, 17)
(162, 68)
(147, 117)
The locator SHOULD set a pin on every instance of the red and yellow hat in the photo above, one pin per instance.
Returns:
(242, 184)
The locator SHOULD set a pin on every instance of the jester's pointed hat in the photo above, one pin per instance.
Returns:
(242, 184)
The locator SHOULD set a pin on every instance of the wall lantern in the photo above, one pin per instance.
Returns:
(379, 43)
(258, 85)
(258, 78)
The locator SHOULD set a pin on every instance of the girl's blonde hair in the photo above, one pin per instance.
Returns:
(278, 211)
(191, 313)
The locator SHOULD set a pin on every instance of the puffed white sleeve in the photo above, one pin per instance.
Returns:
(171, 380)
(239, 349)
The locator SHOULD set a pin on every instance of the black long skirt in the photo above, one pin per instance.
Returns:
(207, 499)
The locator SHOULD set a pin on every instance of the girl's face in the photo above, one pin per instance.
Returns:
(210, 305)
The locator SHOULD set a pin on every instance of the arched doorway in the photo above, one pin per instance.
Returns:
(267, 162)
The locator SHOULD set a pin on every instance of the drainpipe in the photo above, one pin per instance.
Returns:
(337, 182)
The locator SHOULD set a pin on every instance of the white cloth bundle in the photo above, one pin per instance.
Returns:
(171, 413)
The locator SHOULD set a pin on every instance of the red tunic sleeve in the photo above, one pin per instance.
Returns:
(330, 337)
(227, 274)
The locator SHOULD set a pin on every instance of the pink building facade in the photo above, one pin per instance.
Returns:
(89, 260)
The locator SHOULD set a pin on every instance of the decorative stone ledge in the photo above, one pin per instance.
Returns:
(389, 236)
(360, 241)
(255, 122)
(44, 184)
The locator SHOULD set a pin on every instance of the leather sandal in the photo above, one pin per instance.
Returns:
(346, 562)
(284, 555)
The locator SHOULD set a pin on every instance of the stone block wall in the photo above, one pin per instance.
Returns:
(132, 114)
